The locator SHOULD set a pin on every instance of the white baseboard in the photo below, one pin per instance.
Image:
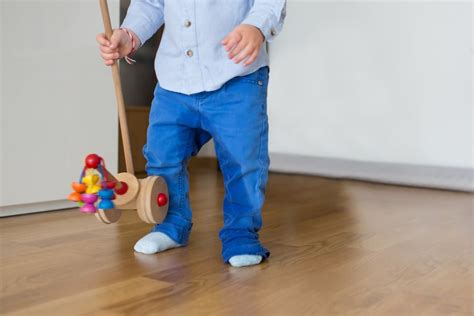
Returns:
(35, 207)
(404, 174)
(451, 178)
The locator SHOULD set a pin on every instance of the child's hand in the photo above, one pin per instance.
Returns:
(120, 45)
(243, 43)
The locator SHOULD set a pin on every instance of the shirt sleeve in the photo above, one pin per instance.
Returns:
(144, 18)
(268, 16)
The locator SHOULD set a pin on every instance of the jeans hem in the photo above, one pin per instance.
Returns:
(179, 235)
(255, 249)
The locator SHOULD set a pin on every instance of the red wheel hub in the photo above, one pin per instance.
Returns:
(161, 199)
(121, 188)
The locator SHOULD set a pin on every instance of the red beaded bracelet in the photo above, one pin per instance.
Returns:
(128, 59)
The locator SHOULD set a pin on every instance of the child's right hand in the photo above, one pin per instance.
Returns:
(119, 46)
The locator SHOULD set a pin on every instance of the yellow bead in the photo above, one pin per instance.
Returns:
(91, 182)
(93, 189)
(90, 179)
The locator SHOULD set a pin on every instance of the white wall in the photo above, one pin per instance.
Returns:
(57, 100)
(386, 82)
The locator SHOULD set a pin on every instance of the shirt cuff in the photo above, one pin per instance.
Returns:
(266, 24)
(142, 30)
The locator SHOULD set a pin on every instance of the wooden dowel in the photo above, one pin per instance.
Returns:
(110, 177)
(104, 8)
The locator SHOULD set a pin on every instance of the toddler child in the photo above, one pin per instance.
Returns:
(212, 69)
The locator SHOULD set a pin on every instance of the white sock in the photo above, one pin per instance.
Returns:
(155, 242)
(245, 260)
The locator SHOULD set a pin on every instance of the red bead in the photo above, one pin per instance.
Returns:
(121, 188)
(161, 199)
(92, 161)
(108, 184)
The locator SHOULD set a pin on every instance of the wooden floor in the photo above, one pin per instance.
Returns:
(338, 247)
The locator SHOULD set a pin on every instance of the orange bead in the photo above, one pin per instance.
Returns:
(78, 187)
(74, 196)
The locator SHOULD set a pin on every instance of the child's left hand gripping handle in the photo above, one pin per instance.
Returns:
(104, 8)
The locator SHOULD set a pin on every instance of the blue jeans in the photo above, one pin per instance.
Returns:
(235, 116)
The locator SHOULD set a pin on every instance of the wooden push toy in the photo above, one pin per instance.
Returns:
(99, 192)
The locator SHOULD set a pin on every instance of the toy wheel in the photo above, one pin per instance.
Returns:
(132, 191)
(108, 216)
(148, 207)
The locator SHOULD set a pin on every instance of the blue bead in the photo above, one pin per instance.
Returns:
(106, 205)
(106, 194)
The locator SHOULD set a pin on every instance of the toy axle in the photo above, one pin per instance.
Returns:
(148, 196)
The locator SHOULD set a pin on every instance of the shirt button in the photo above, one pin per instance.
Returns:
(189, 53)
(260, 83)
(187, 23)
(272, 32)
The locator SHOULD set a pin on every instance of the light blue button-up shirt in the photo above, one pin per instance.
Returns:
(191, 58)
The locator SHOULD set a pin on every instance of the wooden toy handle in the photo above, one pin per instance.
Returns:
(104, 8)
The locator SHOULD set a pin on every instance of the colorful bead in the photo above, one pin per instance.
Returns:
(90, 179)
(94, 191)
(106, 205)
(92, 161)
(88, 208)
(78, 187)
(89, 200)
(74, 196)
(91, 182)
(106, 196)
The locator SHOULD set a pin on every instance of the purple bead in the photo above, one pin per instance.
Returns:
(89, 198)
(88, 208)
